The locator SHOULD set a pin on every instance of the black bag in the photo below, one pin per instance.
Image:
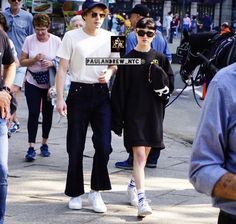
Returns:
(40, 77)
(158, 80)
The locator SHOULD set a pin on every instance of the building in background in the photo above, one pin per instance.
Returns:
(219, 10)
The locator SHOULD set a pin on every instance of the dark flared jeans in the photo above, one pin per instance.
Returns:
(88, 103)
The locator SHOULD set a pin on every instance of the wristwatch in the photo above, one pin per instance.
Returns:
(7, 89)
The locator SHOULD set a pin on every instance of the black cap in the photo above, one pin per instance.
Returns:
(140, 9)
(89, 4)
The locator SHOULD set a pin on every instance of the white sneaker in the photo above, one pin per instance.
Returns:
(144, 209)
(75, 203)
(95, 199)
(132, 196)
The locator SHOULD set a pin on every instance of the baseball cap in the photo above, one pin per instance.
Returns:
(225, 24)
(140, 9)
(89, 4)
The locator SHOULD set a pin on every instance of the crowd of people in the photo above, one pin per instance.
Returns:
(34, 57)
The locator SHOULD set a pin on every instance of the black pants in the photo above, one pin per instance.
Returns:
(34, 97)
(226, 218)
(88, 103)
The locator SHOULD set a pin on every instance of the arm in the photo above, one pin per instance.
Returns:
(30, 25)
(131, 42)
(106, 75)
(168, 70)
(226, 187)
(26, 61)
(166, 51)
(207, 172)
(14, 53)
(9, 74)
(159, 43)
(60, 81)
(117, 102)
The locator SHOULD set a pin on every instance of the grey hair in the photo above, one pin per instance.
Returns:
(76, 18)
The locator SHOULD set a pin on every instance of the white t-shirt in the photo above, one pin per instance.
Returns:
(77, 46)
(168, 20)
(32, 46)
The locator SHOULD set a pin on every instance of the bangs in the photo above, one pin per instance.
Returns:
(148, 23)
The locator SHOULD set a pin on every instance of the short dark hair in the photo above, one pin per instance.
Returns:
(41, 20)
(3, 22)
(146, 23)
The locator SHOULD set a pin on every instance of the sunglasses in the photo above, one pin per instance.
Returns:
(142, 33)
(101, 15)
(15, 0)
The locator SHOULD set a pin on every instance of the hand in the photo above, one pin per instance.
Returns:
(45, 64)
(39, 57)
(105, 76)
(5, 99)
(61, 107)
(52, 92)
(14, 89)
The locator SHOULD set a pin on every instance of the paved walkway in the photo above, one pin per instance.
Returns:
(35, 194)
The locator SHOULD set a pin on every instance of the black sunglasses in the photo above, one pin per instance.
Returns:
(141, 33)
(101, 15)
(15, 0)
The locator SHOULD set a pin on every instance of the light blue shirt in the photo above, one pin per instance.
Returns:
(20, 26)
(158, 43)
(214, 147)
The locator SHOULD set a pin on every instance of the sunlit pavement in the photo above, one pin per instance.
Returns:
(36, 190)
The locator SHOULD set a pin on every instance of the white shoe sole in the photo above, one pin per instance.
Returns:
(99, 210)
(143, 214)
(74, 207)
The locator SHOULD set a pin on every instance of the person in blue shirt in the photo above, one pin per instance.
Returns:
(212, 165)
(159, 44)
(20, 26)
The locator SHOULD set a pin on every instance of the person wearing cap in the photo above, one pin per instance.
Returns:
(159, 44)
(88, 102)
(138, 110)
(220, 39)
(225, 30)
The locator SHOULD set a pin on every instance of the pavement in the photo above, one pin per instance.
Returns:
(36, 190)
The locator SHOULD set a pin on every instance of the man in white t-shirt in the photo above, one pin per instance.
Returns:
(88, 102)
